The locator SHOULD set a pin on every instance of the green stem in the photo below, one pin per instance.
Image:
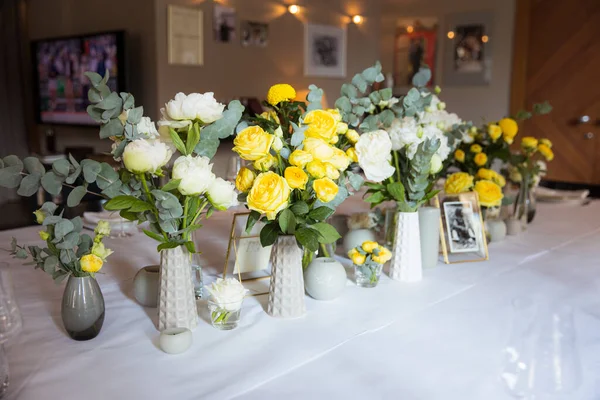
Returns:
(193, 221)
(186, 204)
(150, 199)
(397, 164)
(324, 249)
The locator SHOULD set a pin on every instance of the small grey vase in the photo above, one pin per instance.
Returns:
(82, 308)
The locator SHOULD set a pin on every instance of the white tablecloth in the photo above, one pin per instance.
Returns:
(441, 338)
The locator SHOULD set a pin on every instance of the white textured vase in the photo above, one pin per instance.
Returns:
(406, 265)
(286, 291)
(176, 300)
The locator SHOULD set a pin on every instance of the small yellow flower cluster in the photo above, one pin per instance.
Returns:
(370, 251)
(530, 145)
(94, 261)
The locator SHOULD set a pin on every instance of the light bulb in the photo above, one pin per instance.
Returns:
(293, 9)
(357, 19)
(410, 29)
(485, 38)
(450, 35)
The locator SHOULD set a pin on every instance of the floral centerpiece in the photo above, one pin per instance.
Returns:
(368, 260)
(487, 184)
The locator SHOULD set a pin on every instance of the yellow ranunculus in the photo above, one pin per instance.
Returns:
(384, 256)
(369, 246)
(271, 116)
(299, 158)
(490, 194)
(340, 159)
(509, 129)
(319, 149)
(316, 169)
(325, 189)
(253, 143)
(321, 124)
(351, 153)
(352, 136)
(458, 182)
(90, 263)
(334, 140)
(352, 252)
(529, 142)
(547, 142)
(40, 216)
(269, 194)
(480, 159)
(342, 128)
(358, 259)
(244, 179)
(296, 177)
(331, 172)
(335, 113)
(280, 92)
(494, 131)
(491, 175)
(475, 148)
(44, 235)
(546, 151)
(265, 163)
(459, 155)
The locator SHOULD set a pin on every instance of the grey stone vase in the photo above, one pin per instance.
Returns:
(82, 308)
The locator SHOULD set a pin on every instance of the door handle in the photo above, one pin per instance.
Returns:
(589, 135)
(584, 119)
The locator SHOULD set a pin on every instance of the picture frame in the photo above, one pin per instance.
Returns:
(185, 31)
(254, 34)
(224, 23)
(324, 51)
(246, 258)
(462, 231)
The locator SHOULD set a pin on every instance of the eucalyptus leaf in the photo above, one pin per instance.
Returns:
(69, 242)
(94, 95)
(113, 128)
(106, 176)
(134, 115)
(349, 90)
(224, 127)
(77, 224)
(67, 256)
(207, 147)
(112, 101)
(360, 82)
(343, 103)
(421, 78)
(355, 180)
(33, 165)
(49, 207)
(52, 183)
(62, 228)
(113, 190)
(76, 195)
(50, 264)
(90, 169)
(29, 185)
(85, 244)
(62, 167)
(128, 100)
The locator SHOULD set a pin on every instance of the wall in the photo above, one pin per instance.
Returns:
(51, 18)
(470, 102)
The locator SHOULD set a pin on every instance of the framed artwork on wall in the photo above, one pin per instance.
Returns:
(185, 35)
(224, 23)
(254, 34)
(324, 51)
(415, 45)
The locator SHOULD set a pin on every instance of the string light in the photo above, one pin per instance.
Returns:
(357, 19)
(450, 35)
(485, 38)
(293, 9)
(410, 29)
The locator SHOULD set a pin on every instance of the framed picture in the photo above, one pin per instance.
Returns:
(462, 233)
(254, 34)
(224, 25)
(185, 35)
(415, 45)
(324, 51)
(246, 258)
(468, 51)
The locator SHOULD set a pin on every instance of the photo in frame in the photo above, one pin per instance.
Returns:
(462, 232)
(254, 34)
(324, 51)
(224, 23)
(415, 46)
(246, 259)
(185, 36)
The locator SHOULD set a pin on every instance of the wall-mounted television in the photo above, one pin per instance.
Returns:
(60, 84)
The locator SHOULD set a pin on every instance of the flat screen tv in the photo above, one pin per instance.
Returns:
(60, 84)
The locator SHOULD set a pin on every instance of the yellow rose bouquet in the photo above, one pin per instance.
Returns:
(297, 174)
(487, 183)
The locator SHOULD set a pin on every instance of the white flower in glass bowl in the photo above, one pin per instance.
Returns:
(228, 294)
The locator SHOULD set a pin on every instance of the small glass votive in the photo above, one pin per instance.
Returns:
(367, 276)
(198, 281)
(224, 316)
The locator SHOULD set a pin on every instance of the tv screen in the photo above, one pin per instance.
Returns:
(60, 64)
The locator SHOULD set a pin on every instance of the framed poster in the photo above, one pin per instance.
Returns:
(185, 38)
(415, 46)
(254, 34)
(324, 51)
(224, 23)
(462, 231)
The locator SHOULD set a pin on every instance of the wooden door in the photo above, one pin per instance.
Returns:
(557, 58)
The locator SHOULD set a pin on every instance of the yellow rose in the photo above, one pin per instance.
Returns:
(280, 92)
(459, 155)
(316, 169)
(480, 159)
(351, 153)
(384, 256)
(546, 142)
(494, 131)
(546, 151)
(352, 252)
(39, 216)
(491, 175)
(265, 163)
(271, 116)
(331, 172)
(90, 263)
(319, 149)
(321, 124)
(458, 182)
(44, 235)
(299, 158)
(340, 159)
(269, 194)
(335, 113)
(509, 129)
(529, 142)
(490, 194)
(508, 140)
(358, 259)
(253, 143)
(475, 148)
(369, 246)
(296, 177)
(352, 136)
(325, 189)
(244, 179)
(342, 128)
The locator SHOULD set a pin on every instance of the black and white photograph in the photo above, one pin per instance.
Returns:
(224, 23)
(460, 227)
(254, 34)
(324, 51)
(468, 48)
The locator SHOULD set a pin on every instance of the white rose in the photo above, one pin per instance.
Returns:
(147, 128)
(195, 174)
(435, 165)
(404, 132)
(227, 293)
(144, 155)
(374, 151)
(222, 194)
(194, 106)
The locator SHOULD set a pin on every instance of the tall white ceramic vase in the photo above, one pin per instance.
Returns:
(406, 265)
(286, 291)
(176, 300)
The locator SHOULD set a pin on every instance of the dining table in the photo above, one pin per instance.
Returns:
(445, 337)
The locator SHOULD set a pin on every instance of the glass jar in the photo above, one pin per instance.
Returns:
(224, 316)
(391, 220)
(367, 275)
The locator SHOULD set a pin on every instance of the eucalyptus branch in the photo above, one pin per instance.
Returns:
(73, 187)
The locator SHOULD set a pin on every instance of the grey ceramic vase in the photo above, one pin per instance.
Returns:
(325, 278)
(82, 308)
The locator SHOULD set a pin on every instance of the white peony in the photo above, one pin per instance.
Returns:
(195, 174)
(222, 194)
(404, 132)
(228, 293)
(435, 165)
(374, 151)
(147, 128)
(145, 155)
(191, 107)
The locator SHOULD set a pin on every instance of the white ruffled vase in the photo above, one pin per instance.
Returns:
(406, 263)
(286, 290)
